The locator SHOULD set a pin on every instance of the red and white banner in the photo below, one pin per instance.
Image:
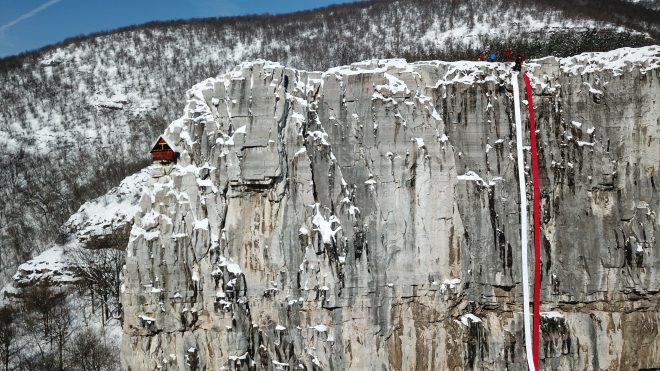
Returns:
(532, 334)
(537, 223)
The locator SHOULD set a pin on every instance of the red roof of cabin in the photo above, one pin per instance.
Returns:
(163, 144)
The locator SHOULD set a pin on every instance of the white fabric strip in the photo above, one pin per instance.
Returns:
(523, 223)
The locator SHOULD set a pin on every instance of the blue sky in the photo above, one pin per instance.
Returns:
(30, 24)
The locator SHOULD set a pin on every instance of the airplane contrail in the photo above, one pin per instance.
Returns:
(27, 15)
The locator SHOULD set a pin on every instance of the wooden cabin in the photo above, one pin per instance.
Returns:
(164, 150)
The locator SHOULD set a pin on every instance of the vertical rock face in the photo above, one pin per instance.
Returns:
(366, 218)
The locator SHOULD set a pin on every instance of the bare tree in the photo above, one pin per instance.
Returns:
(61, 330)
(8, 335)
(90, 352)
(100, 277)
(46, 308)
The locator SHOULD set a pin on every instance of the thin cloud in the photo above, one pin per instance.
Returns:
(28, 15)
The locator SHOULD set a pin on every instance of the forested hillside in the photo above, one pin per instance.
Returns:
(77, 117)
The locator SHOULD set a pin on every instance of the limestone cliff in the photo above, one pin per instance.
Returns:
(366, 218)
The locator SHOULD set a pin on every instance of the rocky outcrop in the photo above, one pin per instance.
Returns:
(102, 223)
(366, 218)
(106, 221)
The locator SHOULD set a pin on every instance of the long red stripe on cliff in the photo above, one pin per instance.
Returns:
(537, 225)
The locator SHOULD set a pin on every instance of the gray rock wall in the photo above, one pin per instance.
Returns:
(367, 218)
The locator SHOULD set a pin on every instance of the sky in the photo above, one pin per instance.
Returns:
(31, 24)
